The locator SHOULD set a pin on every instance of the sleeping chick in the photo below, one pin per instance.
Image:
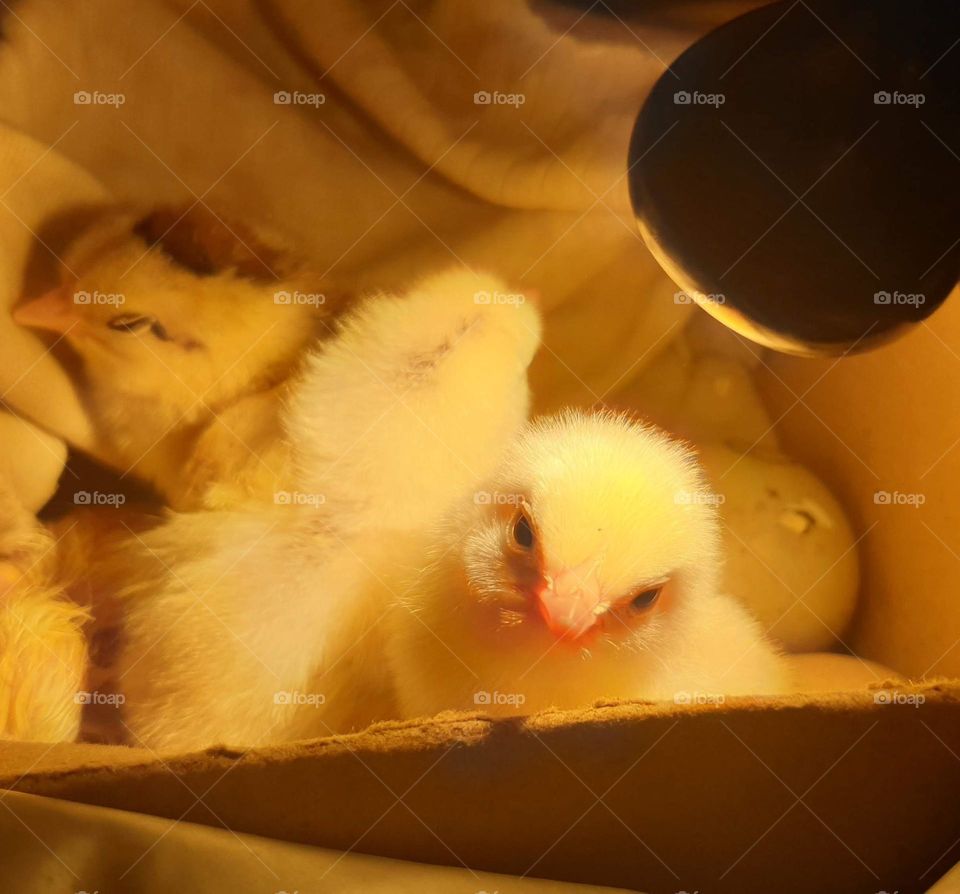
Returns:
(42, 646)
(587, 568)
(185, 329)
(250, 626)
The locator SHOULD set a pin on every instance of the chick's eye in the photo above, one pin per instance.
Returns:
(134, 323)
(645, 598)
(131, 323)
(157, 330)
(522, 531)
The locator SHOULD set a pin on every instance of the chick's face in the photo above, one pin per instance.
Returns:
(136, 334)
(144, 322)
(594, 534)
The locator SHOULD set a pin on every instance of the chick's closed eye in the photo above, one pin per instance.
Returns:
(135, 323)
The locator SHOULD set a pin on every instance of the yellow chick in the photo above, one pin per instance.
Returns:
(185, 329)
(43, 652)
(586, 568)
(248, 626)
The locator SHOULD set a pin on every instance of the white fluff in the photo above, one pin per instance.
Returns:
(396, 579)
(242, 621)
(618, 505)
(42, 648)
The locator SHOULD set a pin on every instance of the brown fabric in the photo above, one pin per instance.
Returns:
(693, 797)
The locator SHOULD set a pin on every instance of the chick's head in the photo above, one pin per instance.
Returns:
(173, 301)
(596, 530)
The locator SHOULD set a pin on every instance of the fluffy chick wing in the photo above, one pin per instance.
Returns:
(412, 403)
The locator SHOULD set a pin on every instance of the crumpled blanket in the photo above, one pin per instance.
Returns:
(383, 139)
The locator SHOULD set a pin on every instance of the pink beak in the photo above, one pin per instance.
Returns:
(568, 603)
(54, 311)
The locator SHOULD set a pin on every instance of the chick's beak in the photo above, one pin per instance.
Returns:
(53, 311)
(569, 601)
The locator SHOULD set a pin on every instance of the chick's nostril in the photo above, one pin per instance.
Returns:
(568, 614)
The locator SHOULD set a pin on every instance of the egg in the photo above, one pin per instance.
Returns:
(791, 554)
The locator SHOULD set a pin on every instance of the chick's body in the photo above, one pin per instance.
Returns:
(434, 551)
(42, 648)
(259, 624)
(186, 331)
(586, 569)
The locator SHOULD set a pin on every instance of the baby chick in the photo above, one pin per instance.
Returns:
(185, 328)
(250, 626)
(42, 647)
(587, 568)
